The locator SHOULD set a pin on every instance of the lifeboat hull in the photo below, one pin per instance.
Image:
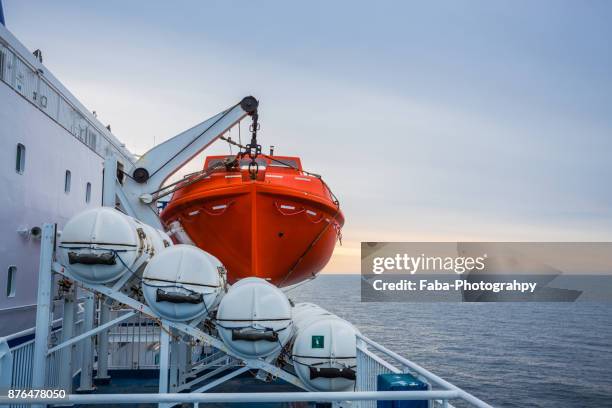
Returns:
(262, 228)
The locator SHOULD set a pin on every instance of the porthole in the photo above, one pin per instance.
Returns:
(20, 160)
(88, 193)
(10, 281)
(67, 181)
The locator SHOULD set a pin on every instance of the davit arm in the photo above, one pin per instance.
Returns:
(165, 159)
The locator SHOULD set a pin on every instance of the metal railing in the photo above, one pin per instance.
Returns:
(369, 366)
(372, 359)
(37, 364)
(134, 343)
(23, 355)
(258, 397)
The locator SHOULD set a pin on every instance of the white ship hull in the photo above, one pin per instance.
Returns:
(58, 135)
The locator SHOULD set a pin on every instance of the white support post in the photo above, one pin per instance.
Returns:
(164, 360)
(86, 384)
(109, 197)
(43, 308)
(174, 363)
(154, 167)
(109, 194)
(184, 363)
(6, 365)
(102, 376)
(66, 370)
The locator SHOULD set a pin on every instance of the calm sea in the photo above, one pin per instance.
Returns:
(508, 354)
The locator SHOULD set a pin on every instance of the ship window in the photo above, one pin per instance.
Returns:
(88, 193)
(20, 161)
(67, 181)
(10, 281)
(2, 64)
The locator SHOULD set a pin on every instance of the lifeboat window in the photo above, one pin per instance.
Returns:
(67, 181)
(214, 162)
(244, 164)
(88, 193)
(286, 163)
(20, 160)
(10, 281)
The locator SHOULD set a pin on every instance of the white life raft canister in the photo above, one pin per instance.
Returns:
(183, 283)
(254, 318)
(101, 244)
(324, 349)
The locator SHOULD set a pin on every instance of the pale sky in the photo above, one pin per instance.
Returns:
(431, 121)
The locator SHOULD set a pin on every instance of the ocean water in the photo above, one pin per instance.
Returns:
(508, 354)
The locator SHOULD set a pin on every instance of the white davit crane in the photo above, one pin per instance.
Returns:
(151, 170)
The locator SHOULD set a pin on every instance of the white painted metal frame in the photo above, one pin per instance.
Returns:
(182, 327)
(91, 332)
(167, 158)
(258, 397)
(43, 320)
(367, 362)
(43, 310)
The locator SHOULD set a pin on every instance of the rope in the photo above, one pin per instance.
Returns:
(312, 244)
(331, 361)
(260, 328)
(297, 285)
(192, 178)
(195, 177)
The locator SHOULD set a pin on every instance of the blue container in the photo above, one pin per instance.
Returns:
(401, 382)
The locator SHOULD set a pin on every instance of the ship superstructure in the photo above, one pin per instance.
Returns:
(52, 151)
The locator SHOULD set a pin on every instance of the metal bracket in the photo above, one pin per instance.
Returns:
(92, 332)
(260, 364)
(153, 168)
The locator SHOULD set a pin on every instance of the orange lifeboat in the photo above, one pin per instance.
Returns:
(278, 223)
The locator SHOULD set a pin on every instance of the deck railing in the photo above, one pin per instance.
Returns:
(139, 333)
(374, 359)
(134, 343)
(23, 355)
